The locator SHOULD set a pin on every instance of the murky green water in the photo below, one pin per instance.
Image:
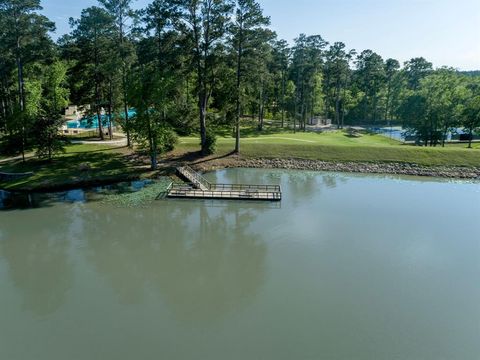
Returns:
(347, 267)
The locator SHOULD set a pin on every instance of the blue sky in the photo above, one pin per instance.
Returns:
(446, 32)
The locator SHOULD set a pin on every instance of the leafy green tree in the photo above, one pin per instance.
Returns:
(48, 119)
(307, 60)
(247, 35)
(87, 50)
(204, 25)
(149, 126)
(280, 68)
(25, 38)
(435, 108)
(160, 18)
(122, 54)
(259, 79)
(155, 81)
(471, 111)
(414, 114)
(446, 93)
(392, 68)
(371, 78)
(416, 69)
(337, 74)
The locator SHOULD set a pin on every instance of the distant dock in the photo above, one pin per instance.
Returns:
(197, 187)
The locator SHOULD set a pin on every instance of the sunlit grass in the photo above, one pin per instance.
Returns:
(80, 163)
(339, 146)
(84, 163)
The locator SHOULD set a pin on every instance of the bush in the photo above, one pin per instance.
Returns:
(11, 144)
(210, 142)
(167, 139)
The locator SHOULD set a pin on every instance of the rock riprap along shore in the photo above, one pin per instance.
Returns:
(453, 172)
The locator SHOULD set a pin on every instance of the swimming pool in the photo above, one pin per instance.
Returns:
(91, 122)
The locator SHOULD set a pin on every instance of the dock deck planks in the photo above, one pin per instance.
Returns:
(199, 188)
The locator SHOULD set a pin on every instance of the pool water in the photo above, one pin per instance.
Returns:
(92, 121)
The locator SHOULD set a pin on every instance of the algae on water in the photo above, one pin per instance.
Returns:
(138, 198)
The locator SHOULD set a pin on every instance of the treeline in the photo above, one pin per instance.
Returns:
(188, 66)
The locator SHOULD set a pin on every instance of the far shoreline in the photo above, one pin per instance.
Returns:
(379, 168)
(168, 167)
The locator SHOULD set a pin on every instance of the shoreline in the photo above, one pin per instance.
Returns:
(80, 184)
(447, 172)
(168, 167)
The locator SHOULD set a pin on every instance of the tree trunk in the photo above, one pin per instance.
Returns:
(387, 103)
(124, 77)
(100, 125)
(152, 145)
(4, 115)
(283, 99)
(444, 136)
(203, 123)
(304, 116)
(97, 110)
(154, 155)
(110, 108)
(97, 87)
(239, 94)
(21, 98)
(260, 107)
(337, 109)
(365, 108)
(125, 109)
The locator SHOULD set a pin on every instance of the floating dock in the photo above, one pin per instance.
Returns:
(197, 187)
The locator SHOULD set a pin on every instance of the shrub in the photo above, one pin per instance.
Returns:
(167, 139)
(210, 142)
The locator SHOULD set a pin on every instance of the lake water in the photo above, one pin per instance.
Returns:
(346, 267)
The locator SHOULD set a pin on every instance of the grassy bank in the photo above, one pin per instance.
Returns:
(91, 164)
(81, 164)
(340, 147)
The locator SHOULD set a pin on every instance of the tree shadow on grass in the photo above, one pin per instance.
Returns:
(97, 151)
(74, 170)
(254, 132)
(352, 136)
(251, 131)
(195, 158)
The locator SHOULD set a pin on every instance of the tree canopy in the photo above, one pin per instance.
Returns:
(188, 66)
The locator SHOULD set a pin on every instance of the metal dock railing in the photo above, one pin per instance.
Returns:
(198, 187)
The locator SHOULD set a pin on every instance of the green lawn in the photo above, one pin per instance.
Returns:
(463, 146)
(338, 146)
(107, 163)
(104, 163)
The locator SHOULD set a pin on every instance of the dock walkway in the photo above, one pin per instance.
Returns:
(197, 187)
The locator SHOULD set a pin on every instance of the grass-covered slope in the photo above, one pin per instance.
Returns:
(339, 146)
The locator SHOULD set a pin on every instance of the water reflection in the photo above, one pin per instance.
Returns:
(3, 196)
(38, 263)
(321, 278)
(24, 201)
(301, 184)
(203, 262)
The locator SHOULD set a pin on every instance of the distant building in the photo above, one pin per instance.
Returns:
(319, 121)
(71, 111)
(75, 112)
